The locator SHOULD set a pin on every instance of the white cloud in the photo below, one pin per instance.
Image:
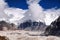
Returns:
(51, 15)
(38, 14)
(2, 7)
(35, 12)
(32, 1)
(15, 14)
(12, 15)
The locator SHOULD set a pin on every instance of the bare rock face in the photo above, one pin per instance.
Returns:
(54, 28)
(34, 26)
(6, 26)
(3, 38)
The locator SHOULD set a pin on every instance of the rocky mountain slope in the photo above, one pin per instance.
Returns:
(32, 25)
(54, 28)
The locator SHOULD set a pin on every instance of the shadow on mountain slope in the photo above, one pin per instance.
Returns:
(33, 26)
(53, 29)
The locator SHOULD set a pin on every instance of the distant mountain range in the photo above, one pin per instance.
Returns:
(32, 26)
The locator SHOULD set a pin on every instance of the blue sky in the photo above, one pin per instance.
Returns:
(46, 4)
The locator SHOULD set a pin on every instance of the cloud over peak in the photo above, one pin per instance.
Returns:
(34, 12)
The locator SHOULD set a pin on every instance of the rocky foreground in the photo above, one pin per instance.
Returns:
(26, 35)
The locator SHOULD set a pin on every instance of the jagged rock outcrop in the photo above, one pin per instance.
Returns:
(3, 38)
(29, 25)
(54, 28)
(6, 26)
